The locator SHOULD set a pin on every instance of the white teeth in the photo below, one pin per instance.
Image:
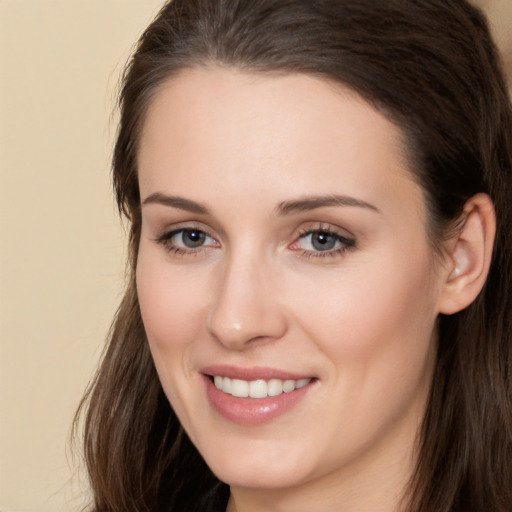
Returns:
(239, 388)
(289, 385)
(227, 385)
(223, 383)
(257, 388)
(301, 383)
(274, 387)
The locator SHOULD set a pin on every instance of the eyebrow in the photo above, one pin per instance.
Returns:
(284, 208)
(312, 203)
(176, 202)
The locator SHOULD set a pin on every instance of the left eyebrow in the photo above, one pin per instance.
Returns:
(314, 202)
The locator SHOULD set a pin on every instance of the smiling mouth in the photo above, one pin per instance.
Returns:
(259, 388)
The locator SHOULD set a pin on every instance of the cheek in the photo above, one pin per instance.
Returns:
(171, 309)
(374, 320)
(375, 329)
(169, 302)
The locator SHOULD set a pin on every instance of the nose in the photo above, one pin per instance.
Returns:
(246, 306)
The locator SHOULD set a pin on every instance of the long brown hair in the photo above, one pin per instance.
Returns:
(431, 67)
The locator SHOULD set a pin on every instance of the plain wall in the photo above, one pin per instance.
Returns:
(61, 242)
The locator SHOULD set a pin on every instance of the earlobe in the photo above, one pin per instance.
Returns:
(469, 256)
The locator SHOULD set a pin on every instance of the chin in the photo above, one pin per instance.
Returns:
(258, 478)
(258, 468)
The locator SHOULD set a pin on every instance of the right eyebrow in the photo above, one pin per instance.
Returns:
(175, 202)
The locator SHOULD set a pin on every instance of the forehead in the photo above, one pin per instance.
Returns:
(264, 134)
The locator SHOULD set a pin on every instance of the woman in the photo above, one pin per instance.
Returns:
(318, 310)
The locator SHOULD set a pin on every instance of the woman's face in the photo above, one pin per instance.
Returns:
(284, 245)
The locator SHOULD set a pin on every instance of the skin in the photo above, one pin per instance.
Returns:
(257, 293)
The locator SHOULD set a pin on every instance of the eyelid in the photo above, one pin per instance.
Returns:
(347, 240)
(168, 233)
(167, 228)
(324, 227)
(172, 233)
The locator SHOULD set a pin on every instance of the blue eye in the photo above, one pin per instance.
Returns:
(190, 238)
(322, 242)
(186, 240)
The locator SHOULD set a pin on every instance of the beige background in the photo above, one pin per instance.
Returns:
(61, 243)
(60, 238)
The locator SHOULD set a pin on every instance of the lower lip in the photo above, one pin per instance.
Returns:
(252, 411)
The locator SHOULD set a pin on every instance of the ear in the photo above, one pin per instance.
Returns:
(469, 255)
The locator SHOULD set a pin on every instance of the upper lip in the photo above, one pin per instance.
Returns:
(253, 373)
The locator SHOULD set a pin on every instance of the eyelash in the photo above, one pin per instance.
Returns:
(165, 240)
(346, 243)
